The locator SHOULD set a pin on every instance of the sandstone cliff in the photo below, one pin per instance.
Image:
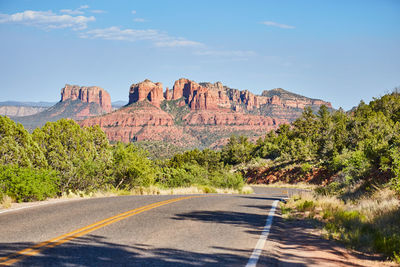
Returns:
(76, 103)
(92, 94)
(146, 90)
(199, 114)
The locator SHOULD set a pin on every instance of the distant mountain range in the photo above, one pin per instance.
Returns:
(19, 109)
(27, 104)
(189, 115)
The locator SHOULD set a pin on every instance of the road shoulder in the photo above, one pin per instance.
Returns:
(299, 243)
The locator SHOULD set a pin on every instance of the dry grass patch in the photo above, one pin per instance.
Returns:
(6, 202)
(155, 190)
(279, 184)
(371, 224)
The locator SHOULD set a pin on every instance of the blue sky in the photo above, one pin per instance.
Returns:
(339, 51)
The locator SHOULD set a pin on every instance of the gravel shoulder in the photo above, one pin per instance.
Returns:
(300, 243)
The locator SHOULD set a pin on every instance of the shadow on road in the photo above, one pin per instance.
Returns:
(93, 250)
(290, 243)
(264, 198)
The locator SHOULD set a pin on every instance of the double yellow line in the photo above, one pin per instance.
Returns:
(31, 251)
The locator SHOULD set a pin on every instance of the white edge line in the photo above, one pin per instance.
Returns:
(263, 238)
(37, 205)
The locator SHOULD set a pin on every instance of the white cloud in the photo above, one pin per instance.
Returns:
(98, 11)
(77, 11)
(133, 12)
(275, 24)
(171, 42)
(139, 20)
(72, 12)
(115, 33)
(226, 53)
(47, 20)
(158, 38)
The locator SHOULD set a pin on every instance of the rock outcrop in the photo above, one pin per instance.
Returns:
(199, 114)
(76, 103)
(277, 103)
(146, 90)
(91, 94)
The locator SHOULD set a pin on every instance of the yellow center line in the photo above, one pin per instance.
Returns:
(18, 256)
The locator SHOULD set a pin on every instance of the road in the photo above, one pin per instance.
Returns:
(199, 230)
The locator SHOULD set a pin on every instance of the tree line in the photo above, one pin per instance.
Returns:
(63, 157)
(362, 145)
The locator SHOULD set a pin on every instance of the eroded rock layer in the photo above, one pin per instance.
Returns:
(91, 94)
(199, 114)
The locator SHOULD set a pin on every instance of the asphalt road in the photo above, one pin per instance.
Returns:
(206, 230)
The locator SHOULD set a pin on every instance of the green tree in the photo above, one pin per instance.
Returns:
(131, 167)
(237, 150)
(82, 156)
(17, 146)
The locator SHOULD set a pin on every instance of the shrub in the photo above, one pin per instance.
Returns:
(132, 167)
(225, 179)
(26, 184)
(306, 205)
(306, 167)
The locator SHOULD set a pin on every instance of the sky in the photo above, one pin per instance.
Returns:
(338, 51)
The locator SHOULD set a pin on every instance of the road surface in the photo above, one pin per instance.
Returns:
(206, 230)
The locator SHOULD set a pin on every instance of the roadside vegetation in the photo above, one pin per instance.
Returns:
(370, 223)
(62, 158)
(353, 157)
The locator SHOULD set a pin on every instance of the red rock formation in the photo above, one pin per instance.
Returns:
(203, 99)
(196, 96)
(320, 103)
(179, 87)
(167, 94)
(275, 100)
(229, 118)
(124, 124)
(153, 92)
(203, 114)
(92, 94)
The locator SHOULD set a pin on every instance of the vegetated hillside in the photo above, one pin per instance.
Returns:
(76, 103)
(199, 115)
(63, 157)
(72, 109)
(357, 157)
(358, 148)
(354, 158)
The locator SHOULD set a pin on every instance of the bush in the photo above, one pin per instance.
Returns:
(26, 184)
(306, 167)
(306, 205)
(131, 167)
(225, 179)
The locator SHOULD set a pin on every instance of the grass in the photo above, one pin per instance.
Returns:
(157, 190)
(370, 224)
(280, 184)
(6, 202)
